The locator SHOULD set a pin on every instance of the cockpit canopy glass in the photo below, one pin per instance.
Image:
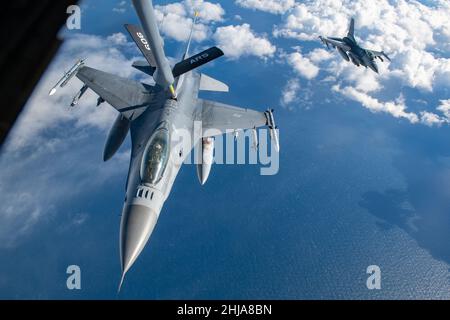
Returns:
(156, 156)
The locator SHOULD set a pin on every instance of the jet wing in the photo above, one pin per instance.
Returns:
(335, 43)
(129, 97)
(378, 54)
(217, 118)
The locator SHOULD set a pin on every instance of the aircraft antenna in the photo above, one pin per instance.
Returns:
(196, 14)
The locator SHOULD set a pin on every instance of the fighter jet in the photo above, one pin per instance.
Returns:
(349, 49)
(154, 115)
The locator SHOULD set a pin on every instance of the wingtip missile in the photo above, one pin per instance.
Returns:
(273, 129)
(52, 92)
(255, 138)
(66, 77)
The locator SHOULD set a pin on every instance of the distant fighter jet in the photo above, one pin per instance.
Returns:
(155, 114)
(351, 51)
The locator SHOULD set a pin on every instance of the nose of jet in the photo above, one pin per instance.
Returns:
(136, 227)
(373, 66)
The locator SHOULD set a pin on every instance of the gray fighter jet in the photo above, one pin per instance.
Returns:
(155, 115)
(349, 49)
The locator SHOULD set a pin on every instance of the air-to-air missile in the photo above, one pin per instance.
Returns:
(273, 129)
(67, 76)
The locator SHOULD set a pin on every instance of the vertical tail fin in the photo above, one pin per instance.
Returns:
(351, 29)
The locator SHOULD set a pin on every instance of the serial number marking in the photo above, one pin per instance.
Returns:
(236, 310)
(201, 57)
(252, 309)
(144, 41)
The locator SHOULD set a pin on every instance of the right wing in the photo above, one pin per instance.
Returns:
(218, 118)
(378, 54)
(335, 43)
(129, 97)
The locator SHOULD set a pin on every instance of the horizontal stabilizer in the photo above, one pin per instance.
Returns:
(138, 36)
(210, 84)
(144, 67)
(196, 61)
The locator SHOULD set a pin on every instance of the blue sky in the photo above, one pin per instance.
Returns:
(363, 175)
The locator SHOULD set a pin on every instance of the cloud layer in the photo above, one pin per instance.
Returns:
(41, 170)
(240, 40)
(235, 40)
(272, 6)
(175, 19)
(416, 36)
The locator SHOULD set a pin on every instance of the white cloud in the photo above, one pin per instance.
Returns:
(415, 35)
(320, 55)
(395, 108)
(45, 112)
(51, 154)
(431, 119)
(121, 7)
(290, 91)
(176, 19)
(117, 38)
(302, 65)
(208, 11)
(272, 6)
(240, 40)
(444, 107)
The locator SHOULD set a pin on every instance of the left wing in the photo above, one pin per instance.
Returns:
(335, 43)
(129, 97)
(218, 117)
(378, 54)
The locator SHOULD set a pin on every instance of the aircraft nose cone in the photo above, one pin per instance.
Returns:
(374, 66)
(136, 227)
